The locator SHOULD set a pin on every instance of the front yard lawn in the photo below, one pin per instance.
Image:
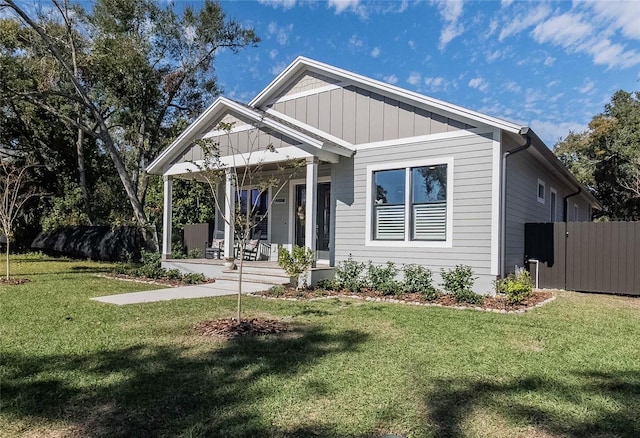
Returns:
(75, 367)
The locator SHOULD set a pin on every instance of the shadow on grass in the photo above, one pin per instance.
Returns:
(606, 404)
(167, 391)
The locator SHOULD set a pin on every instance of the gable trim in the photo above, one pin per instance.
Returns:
(306, 93)
(311, 129)
(424, 138)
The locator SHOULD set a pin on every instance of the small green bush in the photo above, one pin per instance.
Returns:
(417, 279)
(348, 275)
(296, 263)
(383, 278)
(173, 274)
(195, 253)
(517, 287)
(459, 282)
(276, 291)
(327, 284)
(193, 278)
(151, 265)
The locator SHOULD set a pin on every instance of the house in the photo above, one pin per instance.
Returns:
(389, 175)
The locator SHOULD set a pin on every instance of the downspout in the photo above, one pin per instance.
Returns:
(566, 203)
(503, 195)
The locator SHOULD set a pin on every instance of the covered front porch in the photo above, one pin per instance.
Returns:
(295, 210)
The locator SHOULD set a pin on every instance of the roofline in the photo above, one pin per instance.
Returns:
(300, 62)
(223, 102)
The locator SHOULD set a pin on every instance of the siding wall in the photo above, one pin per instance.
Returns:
(471, 207)
(307, 81)
(522, 206)
(359, 116)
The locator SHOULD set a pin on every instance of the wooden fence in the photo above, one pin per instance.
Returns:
(585, 256)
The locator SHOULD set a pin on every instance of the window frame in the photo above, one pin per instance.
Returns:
(553, 208)
(576, 212)
(541, 200)
(407, 166)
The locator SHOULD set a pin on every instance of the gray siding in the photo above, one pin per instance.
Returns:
(307, 81)
(359, 116)
(471, 207)
(522, 206)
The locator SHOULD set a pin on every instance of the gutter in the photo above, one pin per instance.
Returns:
(503, 195)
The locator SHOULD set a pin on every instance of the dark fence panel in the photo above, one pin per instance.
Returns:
(195, 236)
(587, 256)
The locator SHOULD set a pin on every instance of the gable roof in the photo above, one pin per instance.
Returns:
(301, 64)
(219, 107)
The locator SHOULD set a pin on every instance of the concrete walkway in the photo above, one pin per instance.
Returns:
(217, 289)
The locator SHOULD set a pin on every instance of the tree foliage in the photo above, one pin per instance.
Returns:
(96, 94)
(606, 157)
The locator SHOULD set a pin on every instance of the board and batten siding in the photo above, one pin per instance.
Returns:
(472, 198)
(522, 206)
(359, 116)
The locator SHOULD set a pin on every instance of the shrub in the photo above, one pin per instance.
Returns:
(348, 275)
(296, 263)
(151, 265)
(418, 279)
(277, 291)
(517, 287)
(327, 284)
(458, 282)
(195, 253)
(173, 274)
(193, 278)
(383, 278)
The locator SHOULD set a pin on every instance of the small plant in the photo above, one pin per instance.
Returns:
(193, 278)
(383, 278)
(417, 279)
(517, 286)
(459, 282)
(195, 253)
(173, 274)
(296, 263)
(349, 275)
(277, 290)
(327, 284)
(151, 265)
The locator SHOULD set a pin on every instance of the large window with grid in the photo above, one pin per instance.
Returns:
(410, 203)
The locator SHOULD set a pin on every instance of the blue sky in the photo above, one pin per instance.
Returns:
(548, 65)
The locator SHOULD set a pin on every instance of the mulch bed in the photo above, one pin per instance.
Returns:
(158, 281)
(229, 328)
(498, 303)
(14, 281)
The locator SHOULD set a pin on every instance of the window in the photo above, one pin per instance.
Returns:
(258, 209)
(553, 201)
(410, 204)
(540, 191)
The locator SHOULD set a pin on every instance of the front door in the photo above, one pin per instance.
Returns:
(323, 218)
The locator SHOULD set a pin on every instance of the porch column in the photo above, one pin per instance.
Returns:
(311, 205)
(229, 213)
(167, 214)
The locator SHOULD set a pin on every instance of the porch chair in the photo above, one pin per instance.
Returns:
(251, 250)
(216, 250)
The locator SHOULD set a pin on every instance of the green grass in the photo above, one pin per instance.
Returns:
(75, 367)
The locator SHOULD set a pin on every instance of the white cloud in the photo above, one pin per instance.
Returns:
(493, 26)
(450, 11)
(479, 84)
(574, 33)
(355, 42)
(341, 5)
(586, 87)
(375, 52)
(414, 78)
(278, 68)
(549, 60)
(284, 4)
(552, 131)
(506, 3)
(494, 56)
(273, 53)
(623, 15)
(412, 44)
(512, 87)
(391, 79)
(281, 34)
(519, 23)
(435, 84)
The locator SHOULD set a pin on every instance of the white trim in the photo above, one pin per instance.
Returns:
(541, 200)
(553, 217)
(301, 63)
(292, 201)
(221, 132)
(305, 93)
(448, 242)
(167, 216)
(496, 166)
(425, 138)
(311, 129)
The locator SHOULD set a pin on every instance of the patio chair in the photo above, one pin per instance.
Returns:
(216, 250)
(250, 250)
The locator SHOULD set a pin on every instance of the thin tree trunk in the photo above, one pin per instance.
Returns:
(82, 176)
(7, 258)
(240, 285)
